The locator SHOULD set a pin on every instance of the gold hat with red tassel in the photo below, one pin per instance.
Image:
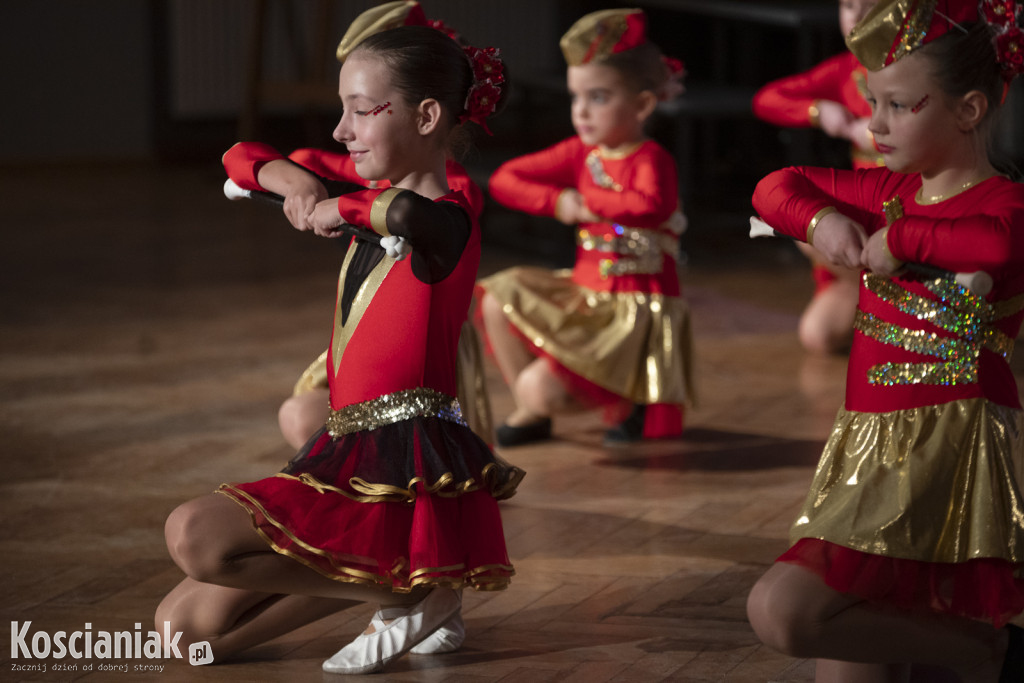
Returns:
(600, 34)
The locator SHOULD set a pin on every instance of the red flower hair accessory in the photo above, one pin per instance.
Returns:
(445, 29)
(488, 78)
(1004, 18)
(676, 72)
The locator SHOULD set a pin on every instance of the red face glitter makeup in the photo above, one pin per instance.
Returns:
(379, 109)
(920, 105)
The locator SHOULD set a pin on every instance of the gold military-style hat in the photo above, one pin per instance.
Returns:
(380, 18)
(600, 34)
(892, 29)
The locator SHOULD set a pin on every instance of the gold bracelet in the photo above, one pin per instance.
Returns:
(814, 114)
(814, 223)
(379, 211)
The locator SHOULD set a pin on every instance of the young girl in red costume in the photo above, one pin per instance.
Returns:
(395, 500)
(910, 546)
(615, 331)
(305, 411)
(829, 96)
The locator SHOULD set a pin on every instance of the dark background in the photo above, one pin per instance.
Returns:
(176, 82)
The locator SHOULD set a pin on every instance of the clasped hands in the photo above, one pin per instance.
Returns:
(843, 241)
(309, 208)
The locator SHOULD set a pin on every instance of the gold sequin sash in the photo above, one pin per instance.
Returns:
(392, 408)
(642, 248)
(957, 310)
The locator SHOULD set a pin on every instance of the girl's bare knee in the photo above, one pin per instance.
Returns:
(189, 548)
(538, 391)
(299, 417)
(779, 617)
(491, 311)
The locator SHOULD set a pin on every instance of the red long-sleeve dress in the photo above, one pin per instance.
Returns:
(395, 490)
(789, 101)
(917, 498)
(616, 326)
(245, 158)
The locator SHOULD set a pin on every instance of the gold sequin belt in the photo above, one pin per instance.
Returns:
(392, 408)
(642, 248)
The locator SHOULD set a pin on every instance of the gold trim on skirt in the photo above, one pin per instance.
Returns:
(634, 344)
(937, 484)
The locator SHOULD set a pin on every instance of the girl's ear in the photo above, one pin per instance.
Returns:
(646, 102)
(428, 116)
(971, 110)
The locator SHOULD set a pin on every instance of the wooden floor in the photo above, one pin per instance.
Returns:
(149, 329)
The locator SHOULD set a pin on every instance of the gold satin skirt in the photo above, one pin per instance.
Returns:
(936, 484)
(634, 344)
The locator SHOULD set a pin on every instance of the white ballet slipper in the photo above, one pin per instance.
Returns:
(371, 652)
(396, 247)
(448, 638)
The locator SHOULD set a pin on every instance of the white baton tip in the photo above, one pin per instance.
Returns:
(233, 191)
(758, 228)
(978, 282)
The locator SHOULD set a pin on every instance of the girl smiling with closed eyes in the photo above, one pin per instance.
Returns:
(394, 500)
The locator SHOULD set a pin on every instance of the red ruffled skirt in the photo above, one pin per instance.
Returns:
(408, 504)
(986, 589)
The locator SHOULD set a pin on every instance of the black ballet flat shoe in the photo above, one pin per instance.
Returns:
(629, 430)
(1013, 662)
(506, 435)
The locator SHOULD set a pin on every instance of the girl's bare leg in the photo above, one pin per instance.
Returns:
(240, 592)
(831, 671)
(792, 610)
(300, 416)
(213, 541)
(541, 392)
(826, 325)
(512, 358)
(232, 619)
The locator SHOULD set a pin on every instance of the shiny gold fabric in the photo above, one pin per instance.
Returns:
(594, 35)
(472, 384)
(633, 344)
(391, 408)
(374, 20)
(313, 377)
(342, 333)
(892, 27)
(642, 248)
(937, 484)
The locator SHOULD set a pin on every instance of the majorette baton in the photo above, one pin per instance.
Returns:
(395, 247)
